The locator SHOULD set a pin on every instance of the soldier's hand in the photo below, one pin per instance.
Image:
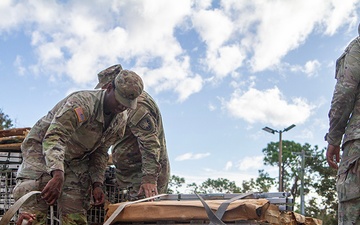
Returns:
(148, 189)
(26, 217)
(98, 193)
(53, 188)
(331, 153)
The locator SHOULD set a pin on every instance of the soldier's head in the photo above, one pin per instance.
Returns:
(122, 92)
(106, 76)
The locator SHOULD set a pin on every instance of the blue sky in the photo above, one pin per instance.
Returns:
(220, 71)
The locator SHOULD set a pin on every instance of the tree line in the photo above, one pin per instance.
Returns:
(318, 179)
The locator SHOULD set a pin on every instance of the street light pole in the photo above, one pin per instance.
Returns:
(302, 174)
(302, 201)
(281, 186)
(270, 130)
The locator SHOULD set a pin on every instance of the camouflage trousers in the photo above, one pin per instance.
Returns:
(72, 205)
(349, 212)
(348, 184)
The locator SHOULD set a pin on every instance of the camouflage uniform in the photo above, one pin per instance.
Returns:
(141, 156)
(344, 117)
(73, 137)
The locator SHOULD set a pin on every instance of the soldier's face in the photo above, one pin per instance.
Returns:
(111, 104)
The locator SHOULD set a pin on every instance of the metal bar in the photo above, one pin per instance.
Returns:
(224, 196)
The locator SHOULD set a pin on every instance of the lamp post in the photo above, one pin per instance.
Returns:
(302, 198)
(270, 130)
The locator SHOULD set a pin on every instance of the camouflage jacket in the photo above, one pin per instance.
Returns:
(143, 144)
(74, 130)
(344, 114)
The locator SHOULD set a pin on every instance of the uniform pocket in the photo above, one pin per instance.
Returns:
(348, 183)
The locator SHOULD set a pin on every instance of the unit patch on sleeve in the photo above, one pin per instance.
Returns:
(146, 123)
(80, 114)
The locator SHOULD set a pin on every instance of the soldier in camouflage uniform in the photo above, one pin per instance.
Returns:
(66, 152)
(140, 157)
(344, 117)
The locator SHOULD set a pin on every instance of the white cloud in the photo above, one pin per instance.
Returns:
(237, 176)
(18, 63)
(189, 86)
(211, 107)
(174, 76)
(311, 67)
(268, 106)
(213, 35)
(11, 14)
(80, 42)
(191, 156)
(341, 12)
(228, 165)
(77, 40)
(250, 163)
(290, 22)
(270, 29)
(225, 60)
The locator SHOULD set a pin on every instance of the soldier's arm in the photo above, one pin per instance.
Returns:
(66, 120)
(100, 157)
(145, 130)
(348, 78)
(97, 164)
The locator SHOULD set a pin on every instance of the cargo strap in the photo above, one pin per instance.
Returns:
(215, 218)
(222, 208)
(123, 205)
(14, 208)
(212, 217)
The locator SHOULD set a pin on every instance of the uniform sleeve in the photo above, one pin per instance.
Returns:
(66, 120)
(342, 104)
(99, 158)
(143, 126)
(98, 163)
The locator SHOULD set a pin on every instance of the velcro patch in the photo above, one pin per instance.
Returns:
(80, 114)
(146, 123)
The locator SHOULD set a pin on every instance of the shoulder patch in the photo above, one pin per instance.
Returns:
(146, 123)
(80, 114)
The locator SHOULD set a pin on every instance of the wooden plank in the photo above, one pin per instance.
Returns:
(12, 139)
(14, 132)
(14, 146)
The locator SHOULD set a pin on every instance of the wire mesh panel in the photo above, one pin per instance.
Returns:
(7, 183)
(8, 169)
(96, 215)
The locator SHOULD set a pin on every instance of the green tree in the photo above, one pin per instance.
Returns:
(175, 182)
(220, 185)
(5, 121)
(324, 184)
(319, 180)
(318, 177)
(263, 183)
(193, 187)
